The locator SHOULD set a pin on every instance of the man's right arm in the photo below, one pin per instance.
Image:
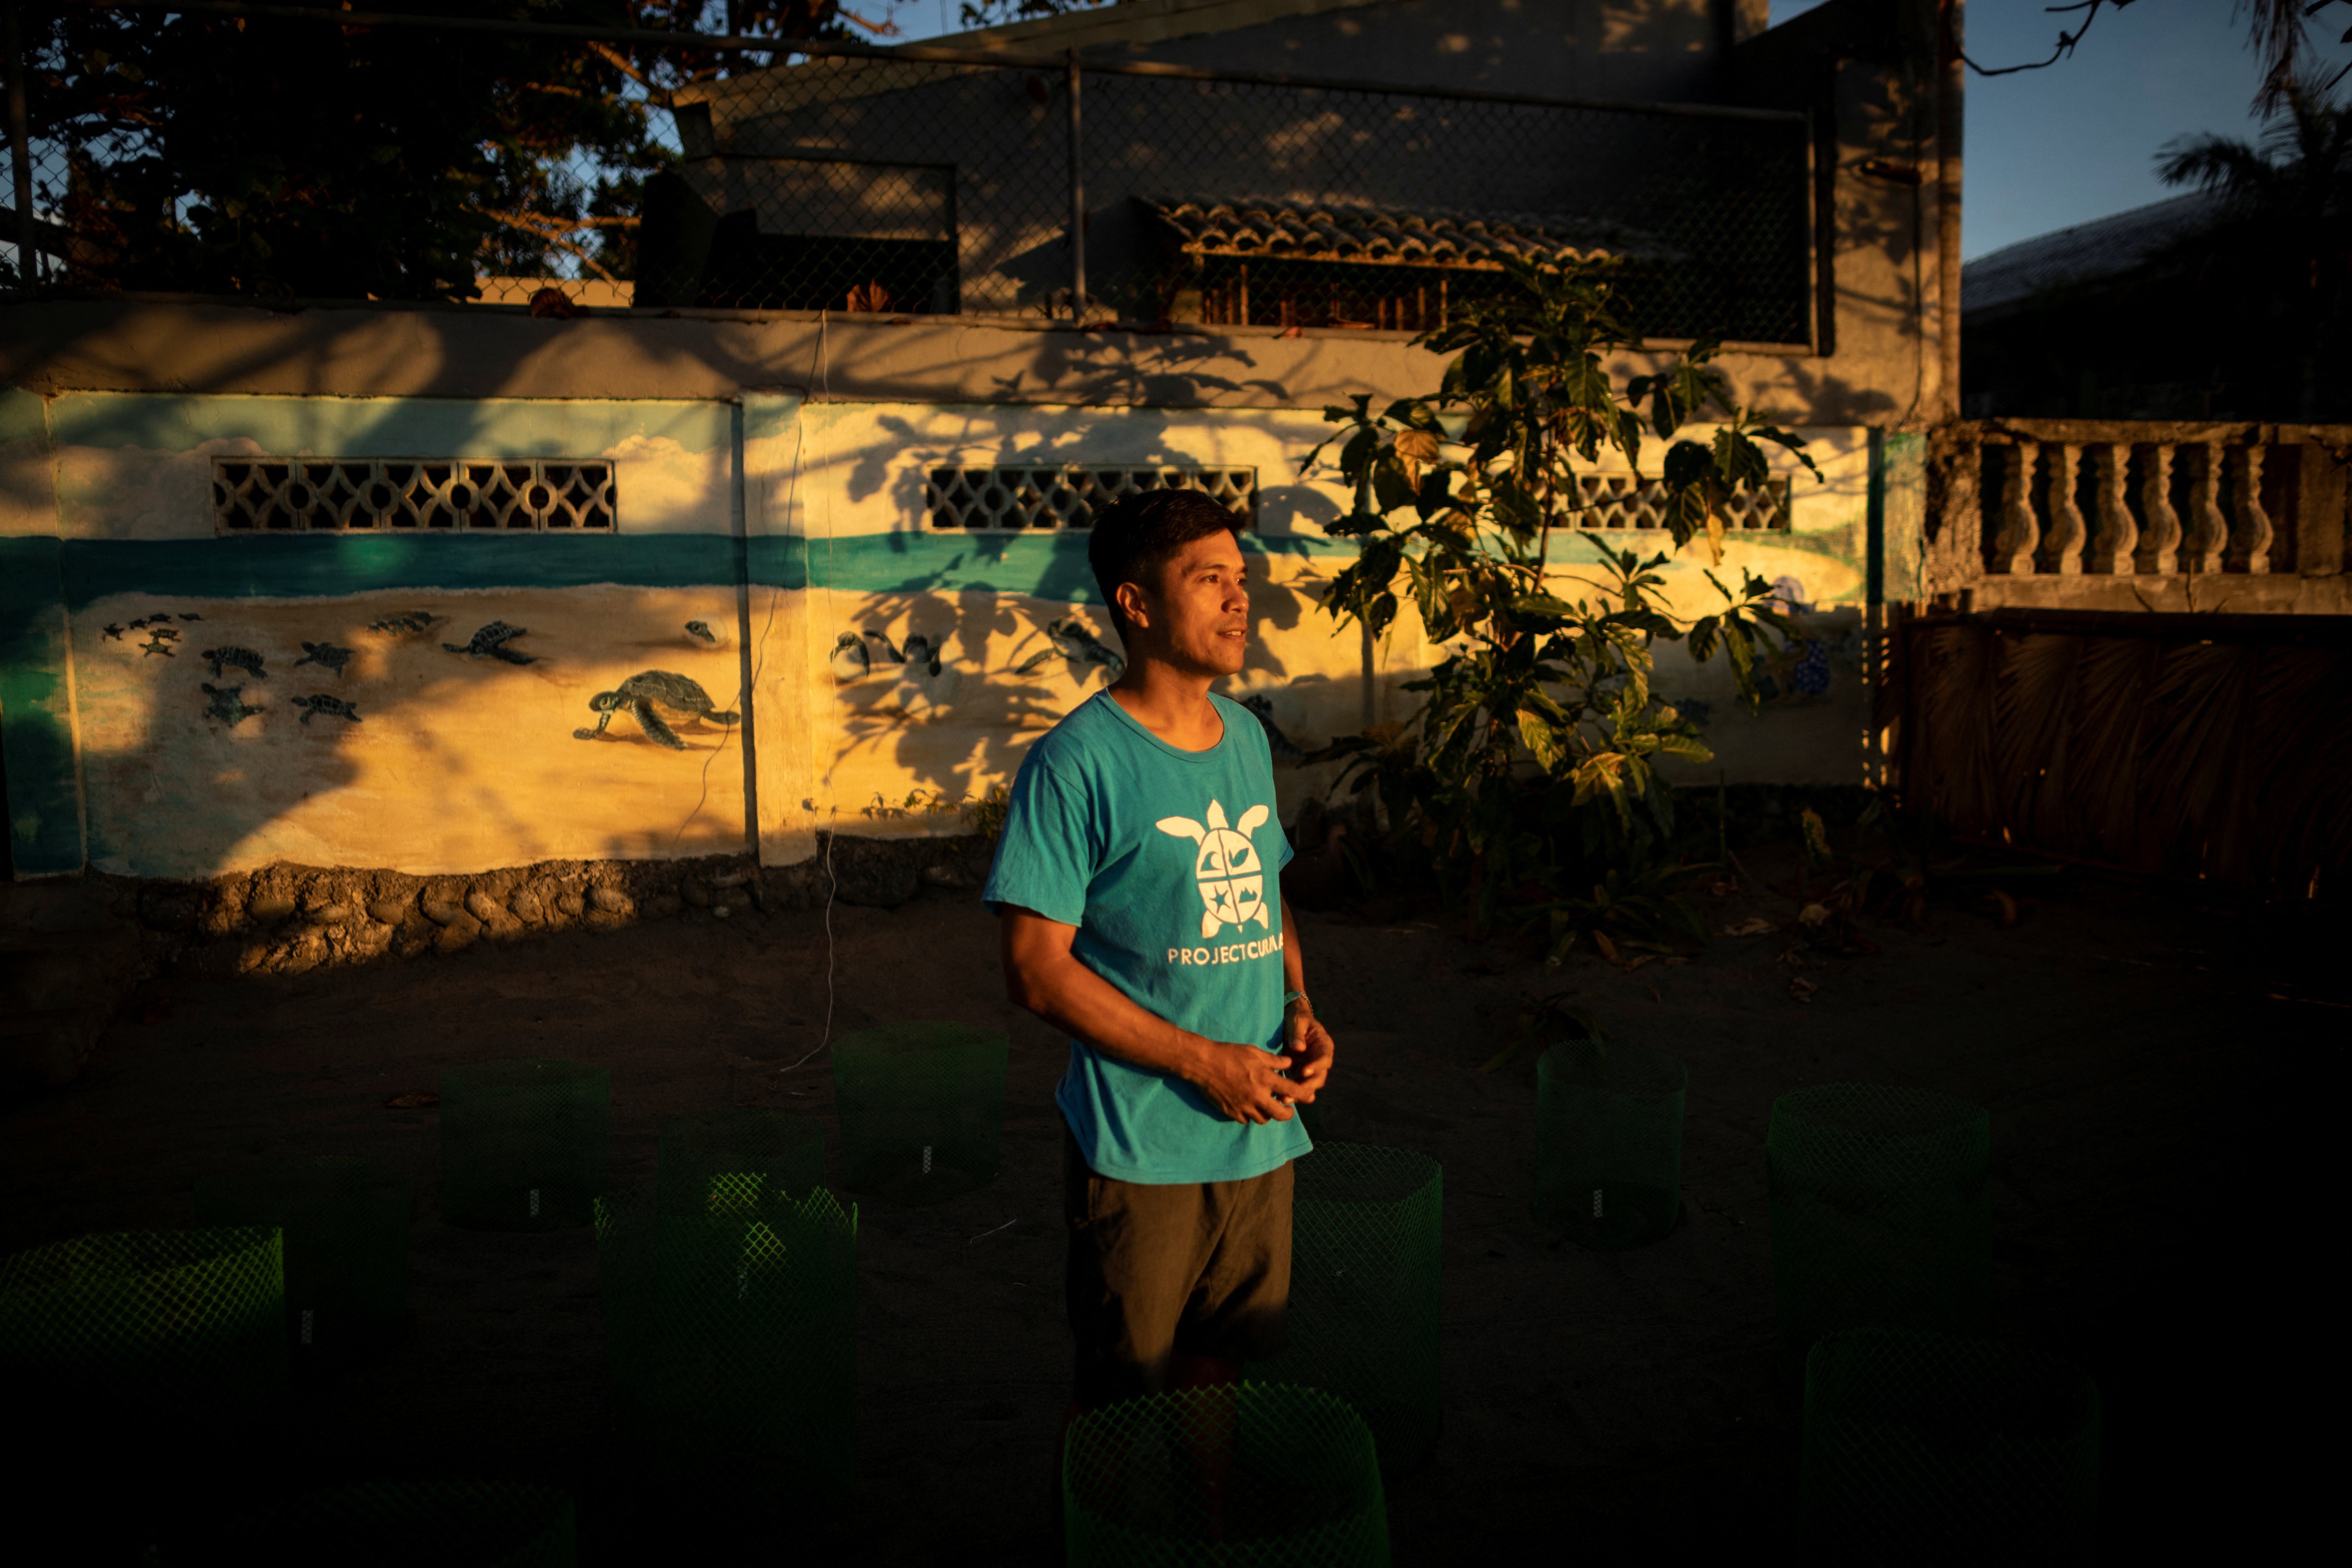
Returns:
(1043, 975)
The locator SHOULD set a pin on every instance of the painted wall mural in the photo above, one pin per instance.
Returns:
(447, 704)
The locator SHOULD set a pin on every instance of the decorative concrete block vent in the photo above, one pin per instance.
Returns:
(1367, 1234)
(524, 1144)
(1930, 1448)
(345, 1225)
(994, 496)
(1882, 1211)
(450, 1524)
(921, 1107)
(1608, 1143)
(731, 1329)
(1246, 1476)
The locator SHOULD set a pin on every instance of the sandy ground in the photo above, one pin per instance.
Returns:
(2159, 1123)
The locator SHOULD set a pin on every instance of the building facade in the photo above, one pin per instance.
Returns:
(443, 589)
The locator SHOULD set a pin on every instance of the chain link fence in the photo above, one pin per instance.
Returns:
(926, 181)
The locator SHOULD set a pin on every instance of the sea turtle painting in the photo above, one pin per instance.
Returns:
(1231, 878)
(491, 641)
(223, 659)
(228, 704)
(701, 632)
(641, 694)
(157, 643)
(324, 653)
(190, 615)
(113, 632)
(319, 702)
(404, 625)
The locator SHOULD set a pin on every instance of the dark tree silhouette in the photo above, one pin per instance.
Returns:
(2280, 261)
(280, 157)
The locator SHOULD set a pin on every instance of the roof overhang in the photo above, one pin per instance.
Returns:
(1392, 236)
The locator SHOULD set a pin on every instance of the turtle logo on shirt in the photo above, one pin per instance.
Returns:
(1231, 877)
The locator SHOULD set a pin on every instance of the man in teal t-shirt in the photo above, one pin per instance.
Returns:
(1137, 884)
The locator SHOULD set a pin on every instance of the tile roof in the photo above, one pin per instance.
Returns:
(1320, 231)
(2084, 253)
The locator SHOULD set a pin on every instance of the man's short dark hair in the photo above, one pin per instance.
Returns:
(1136, 538)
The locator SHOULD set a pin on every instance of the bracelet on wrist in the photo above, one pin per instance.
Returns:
(1296, 999)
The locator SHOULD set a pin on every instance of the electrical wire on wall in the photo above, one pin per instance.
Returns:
(818, 378)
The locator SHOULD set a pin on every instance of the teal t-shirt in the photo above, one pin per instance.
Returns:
(1166, 861)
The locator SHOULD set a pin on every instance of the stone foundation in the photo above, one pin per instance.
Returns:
(288, 920)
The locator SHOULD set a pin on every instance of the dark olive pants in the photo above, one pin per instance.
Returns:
(1158, 1274)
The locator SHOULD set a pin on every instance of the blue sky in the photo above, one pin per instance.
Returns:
(2049, 148)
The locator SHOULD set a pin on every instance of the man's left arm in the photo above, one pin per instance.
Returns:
(1304, 1038)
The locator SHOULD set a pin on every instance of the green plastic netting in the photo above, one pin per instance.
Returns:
(1928, 1448)
(732, 1334)
(1248, 1475)
(705, 1158)
(523, 1143)
(448, 1524)
(1881, 1212)
(1608, 1143)
(921, 1106)
(1367, 1231)
(166, 1318)
(346, 1231)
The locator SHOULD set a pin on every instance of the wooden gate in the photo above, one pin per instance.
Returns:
(2196, 745)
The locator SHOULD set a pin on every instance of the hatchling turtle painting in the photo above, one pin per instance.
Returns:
(228, 704)
(319, 702)
(643, 693)
(404, 625)
(490, 642)
(223, 659)
(324, 653)
(1231, 877)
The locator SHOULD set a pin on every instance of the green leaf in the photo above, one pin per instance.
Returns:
(1739, 461)
(1537, 735)
(1545, 605)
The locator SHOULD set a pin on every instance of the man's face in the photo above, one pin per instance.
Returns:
(1199, 618)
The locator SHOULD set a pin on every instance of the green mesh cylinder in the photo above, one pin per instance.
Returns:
(1367, 1230)
(723, 1159)
(1881, 1215)
(144, 1371)
(1249, 1475)
(449, 1524)
(346, 1229)
(921, 1106)
(1608, 1143)
(732, 1336)
(1923, 1448)
(523, 1143)
(178, 1318)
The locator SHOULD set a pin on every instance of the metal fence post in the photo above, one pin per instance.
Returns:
(1077, 202)
(20, 150)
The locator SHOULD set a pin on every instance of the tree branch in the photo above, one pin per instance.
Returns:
(541, 231)
(2067, 41)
